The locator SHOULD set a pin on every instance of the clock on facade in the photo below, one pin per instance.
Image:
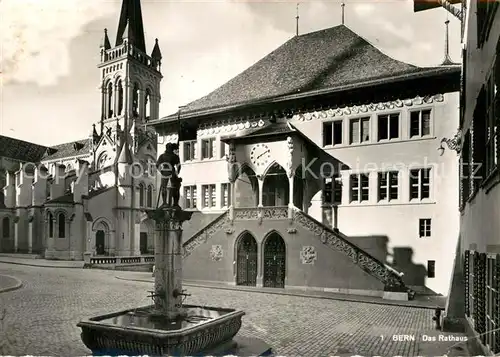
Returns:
(260, 155)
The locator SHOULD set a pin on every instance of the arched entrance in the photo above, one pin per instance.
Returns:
(275, 189)
(143, 242)
(274, 261)
(100, 240)
(246, 188)
(246, 261)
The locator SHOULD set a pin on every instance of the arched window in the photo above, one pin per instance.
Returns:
(6, 227)
(110, 100)
(120, 97)
(61, 221)
(51, 224)
(141, 195)
(135, 100)
(150, 196)
(147, 104)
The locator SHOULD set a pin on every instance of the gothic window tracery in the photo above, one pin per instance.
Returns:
(150, 196)
(120, 97)
(147, 104)
(110, 100)
(141, 195)
(51, 224)
(135, 100)
(61, 221)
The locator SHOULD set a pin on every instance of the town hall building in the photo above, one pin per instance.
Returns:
(315, 168)
(319, 167)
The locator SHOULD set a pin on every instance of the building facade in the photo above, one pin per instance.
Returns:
(474, 295)
(85, 197)
(308, 164)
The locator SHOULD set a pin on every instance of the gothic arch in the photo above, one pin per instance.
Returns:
(274, 261)
(246, 258)
(142, 194)
(273, 165)
(275, 186)
(268, 235)
(62, 224)
(149, 196)
(239, 238)
(102, 221)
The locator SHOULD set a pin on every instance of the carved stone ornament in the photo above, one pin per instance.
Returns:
(308, 255)
(291, 230)
(205, 234)
(216, 253)
(265, 213)
(229, 230)
(289, 162)
(232, 167)
(372, 107)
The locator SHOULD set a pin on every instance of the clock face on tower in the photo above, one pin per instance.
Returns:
(260, 155)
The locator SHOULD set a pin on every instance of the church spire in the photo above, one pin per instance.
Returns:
(447, 59)
(105, 44)
(130, 25)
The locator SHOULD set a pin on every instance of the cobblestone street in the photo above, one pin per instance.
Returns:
(42, 316)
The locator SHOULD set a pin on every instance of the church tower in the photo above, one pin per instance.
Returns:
(130, 81)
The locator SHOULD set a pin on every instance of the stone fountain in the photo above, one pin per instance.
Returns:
(169, 327)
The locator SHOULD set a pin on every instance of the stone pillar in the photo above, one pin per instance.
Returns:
(291, 180)
(168, 260)
(136, 240)
(232, 173)
(16, 235)
(260, 180)
(232, 199)
(31, 227)
(335, 209)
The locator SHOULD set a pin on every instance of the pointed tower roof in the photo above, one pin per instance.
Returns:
(156, 54)
(106, 44)
(130, 25)
(125, 155)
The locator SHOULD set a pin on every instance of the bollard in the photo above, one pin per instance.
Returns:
(437, 318)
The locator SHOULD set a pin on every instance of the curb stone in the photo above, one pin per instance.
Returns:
(18, 284)
(298, 294)
(42, 266)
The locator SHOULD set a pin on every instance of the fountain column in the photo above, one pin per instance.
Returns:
(168, 260)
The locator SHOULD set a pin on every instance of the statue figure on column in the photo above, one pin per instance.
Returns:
(169, 167)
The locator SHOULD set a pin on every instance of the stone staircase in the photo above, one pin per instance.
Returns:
(335, 240)
(391, 278)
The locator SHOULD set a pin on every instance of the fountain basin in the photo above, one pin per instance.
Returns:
(142, 331)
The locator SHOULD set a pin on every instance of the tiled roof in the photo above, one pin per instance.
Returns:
(21, 150)
(74, 148)
(321, 60)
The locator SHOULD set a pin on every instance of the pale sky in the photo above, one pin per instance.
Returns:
(50, 50)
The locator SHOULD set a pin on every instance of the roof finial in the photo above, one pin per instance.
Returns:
(297, 21)
(343, 6)
(447, 59)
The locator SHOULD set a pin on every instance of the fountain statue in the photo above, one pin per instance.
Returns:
(169, 327)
